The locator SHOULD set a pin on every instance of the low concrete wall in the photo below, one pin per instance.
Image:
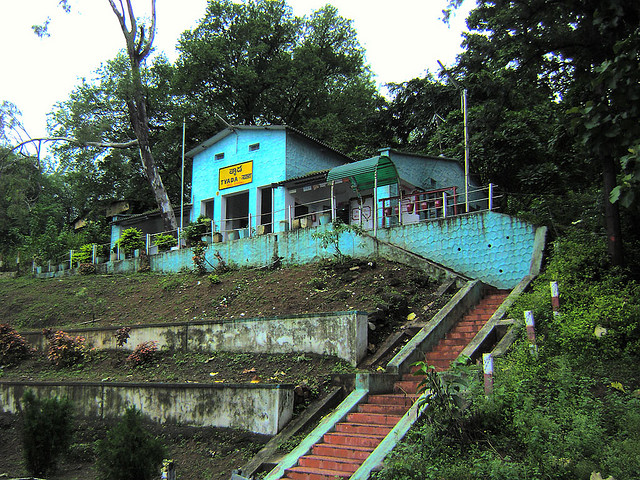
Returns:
(258, 408)
(340, 334)
(488, 246)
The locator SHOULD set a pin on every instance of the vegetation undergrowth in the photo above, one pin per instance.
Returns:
(569, 412)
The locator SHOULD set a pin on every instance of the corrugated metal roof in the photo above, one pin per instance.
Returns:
(363, 173)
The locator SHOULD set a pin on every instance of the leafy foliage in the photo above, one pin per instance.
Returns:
(84, 254)
(143, 353)
(46, 431)
(129, 452)
(130, 240)
(331, 237)
(569, 412)
(165, 241)
(65, 350)
(13, 346)
(122, 336)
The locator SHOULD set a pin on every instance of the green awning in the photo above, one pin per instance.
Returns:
(362, 173)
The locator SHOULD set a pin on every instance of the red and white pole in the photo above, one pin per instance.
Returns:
(555, 299)
(487, 367)
(531, 331)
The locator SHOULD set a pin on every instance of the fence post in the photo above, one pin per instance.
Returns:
(213, 228)
(179, 239)
(555, 299)
(147, 241)
(531, 331)
(249, 224)
(70, 259)
(444, 204)
(94, 251)
(487, 367)
(490, 196)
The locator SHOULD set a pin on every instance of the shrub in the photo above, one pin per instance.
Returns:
(83, 254)
(332, 237)
(130, 240)
(65, 350)
(214, 279)
(46, 431)
(143, 353)
(193, 232)
(122, 336)
(87, 269)
(13, 347)
(129, 452)
(164, 242)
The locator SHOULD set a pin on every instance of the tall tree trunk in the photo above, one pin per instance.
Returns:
(138, 48)
(611, 211)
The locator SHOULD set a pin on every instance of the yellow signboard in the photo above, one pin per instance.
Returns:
(235, 175)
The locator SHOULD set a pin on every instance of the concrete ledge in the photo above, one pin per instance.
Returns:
(486, 337)
(259, 408)
(436, 328)
(341, 334)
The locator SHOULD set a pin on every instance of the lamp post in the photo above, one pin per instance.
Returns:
(463, 101)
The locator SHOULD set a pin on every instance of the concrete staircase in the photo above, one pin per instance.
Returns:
(450, 347)
(343, 450)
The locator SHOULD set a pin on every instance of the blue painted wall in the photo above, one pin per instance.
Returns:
(283, 154)
(487, 246)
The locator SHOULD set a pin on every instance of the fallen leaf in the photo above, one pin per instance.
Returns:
(380, 369)
(249, 370)
(213, 374)
(411, 316)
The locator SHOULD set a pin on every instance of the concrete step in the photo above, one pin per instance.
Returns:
(384, 409)
(356, 439)
(405, 386)
(362, 428)
(373, 418)
(329, 463)
(394, 399)
(309, 473)
(342, 451)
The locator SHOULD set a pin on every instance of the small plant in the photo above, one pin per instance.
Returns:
(332, 237)
(87, 269)
(131, 240)
(84, 254)
(13, 347)
(143, 353)
(165, 241)
(193, 232)
(317, 283)
(129, 451)
(214, 279)
(65, 350)
(46, 431)
(122, 336)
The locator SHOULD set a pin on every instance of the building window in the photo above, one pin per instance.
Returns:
(254, 146)
(219, 156)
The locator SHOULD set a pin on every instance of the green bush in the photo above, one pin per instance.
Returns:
(129, 452)
(65, 350)
(13, 347)
(46, 431)
(193, 232)
(130, 240)
(164, 242)
(83, 255)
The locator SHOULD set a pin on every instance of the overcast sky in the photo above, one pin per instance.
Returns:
(402, 39)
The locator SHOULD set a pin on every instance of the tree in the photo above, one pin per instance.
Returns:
(46, 431)
(255, 63)
(129, 452)
(139, 43)
(562, 46)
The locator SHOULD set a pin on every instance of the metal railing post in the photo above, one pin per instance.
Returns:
(444, 204)
(94, 252)
(490, 196)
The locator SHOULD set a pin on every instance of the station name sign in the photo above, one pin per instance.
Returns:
(238, 174)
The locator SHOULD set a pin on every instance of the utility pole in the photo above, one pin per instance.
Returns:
(463, 102)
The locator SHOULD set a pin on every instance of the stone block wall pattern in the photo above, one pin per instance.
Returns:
(264, 409)
(339, 334)
(487, 246)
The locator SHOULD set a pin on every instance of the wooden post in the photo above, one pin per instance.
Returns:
(487, 367)
(555, 299)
